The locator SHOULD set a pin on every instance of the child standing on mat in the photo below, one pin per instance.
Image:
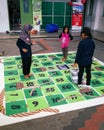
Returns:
(84, 56)
(24, 44)
(65, 38)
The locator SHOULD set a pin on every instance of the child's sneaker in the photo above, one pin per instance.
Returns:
(80, 85)
(88, 86)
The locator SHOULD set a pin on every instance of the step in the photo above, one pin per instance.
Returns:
(92, 124)
(79, 121)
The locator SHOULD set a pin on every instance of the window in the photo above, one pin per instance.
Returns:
(91, 5)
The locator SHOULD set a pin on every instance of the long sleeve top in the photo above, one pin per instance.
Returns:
(85, 52)
(22, 45)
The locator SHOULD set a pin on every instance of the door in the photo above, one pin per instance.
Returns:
(26, 12)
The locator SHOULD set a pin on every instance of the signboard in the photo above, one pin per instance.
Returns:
(37, 18)
(77, 16)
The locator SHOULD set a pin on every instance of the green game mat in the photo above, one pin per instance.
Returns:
(51, 81)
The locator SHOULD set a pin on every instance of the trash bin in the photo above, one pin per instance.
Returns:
(50, 28)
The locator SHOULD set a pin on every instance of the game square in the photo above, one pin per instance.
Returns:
(10, 79)
(10, 72)
(50, 90)
(55, 100)
(9, 59)
(51, 68)
(47, 64)
(45, 82)
(96, 83)
(36, 65)
(60, 79)
(95, 63)
(37, 103)
(10, 87)
(66, 72)
(69, 78)
(90, 94)
(62, 67)
(29, 83)
(36, 93)
(99, 68)
(69, 61)
(66, 87)
(58, 62)
(36, 70)
(18, 62)
(41, 75)
(72, 55)
(12, 96)
(93, 69)
(18, 58)
(102, 80)
(34, 60)
(13, 67)
(9, 63)
(73, 96)
(100, 90)
(16, 107)
(98, 74)
(55, 73)
(45, 60)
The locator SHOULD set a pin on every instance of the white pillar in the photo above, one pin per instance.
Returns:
(4, 18)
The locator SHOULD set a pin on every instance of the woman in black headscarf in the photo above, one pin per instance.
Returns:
(24, 44)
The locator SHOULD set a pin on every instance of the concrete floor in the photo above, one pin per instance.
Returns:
(47, 45)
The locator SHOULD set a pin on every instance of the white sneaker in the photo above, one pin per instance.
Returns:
(79, 85)
(88, 86)
(82, 86)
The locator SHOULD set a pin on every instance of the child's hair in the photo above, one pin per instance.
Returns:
(64, 29)
(87, 32)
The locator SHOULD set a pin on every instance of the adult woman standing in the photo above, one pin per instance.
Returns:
(24, 44)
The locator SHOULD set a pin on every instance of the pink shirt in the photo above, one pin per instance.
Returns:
(65, 39)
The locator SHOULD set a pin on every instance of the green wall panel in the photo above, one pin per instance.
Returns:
(68, 9)
(68, 21)
(59, 21)
(45, 21)
(59, 8)
(26, 17)
(46, 8)
(57, 13)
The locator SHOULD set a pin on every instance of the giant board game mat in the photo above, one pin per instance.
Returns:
(48, 91)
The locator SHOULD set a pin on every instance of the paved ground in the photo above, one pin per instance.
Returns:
(46, 45)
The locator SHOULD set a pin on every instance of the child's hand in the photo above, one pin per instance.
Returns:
(24, 50)
(74, 65)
